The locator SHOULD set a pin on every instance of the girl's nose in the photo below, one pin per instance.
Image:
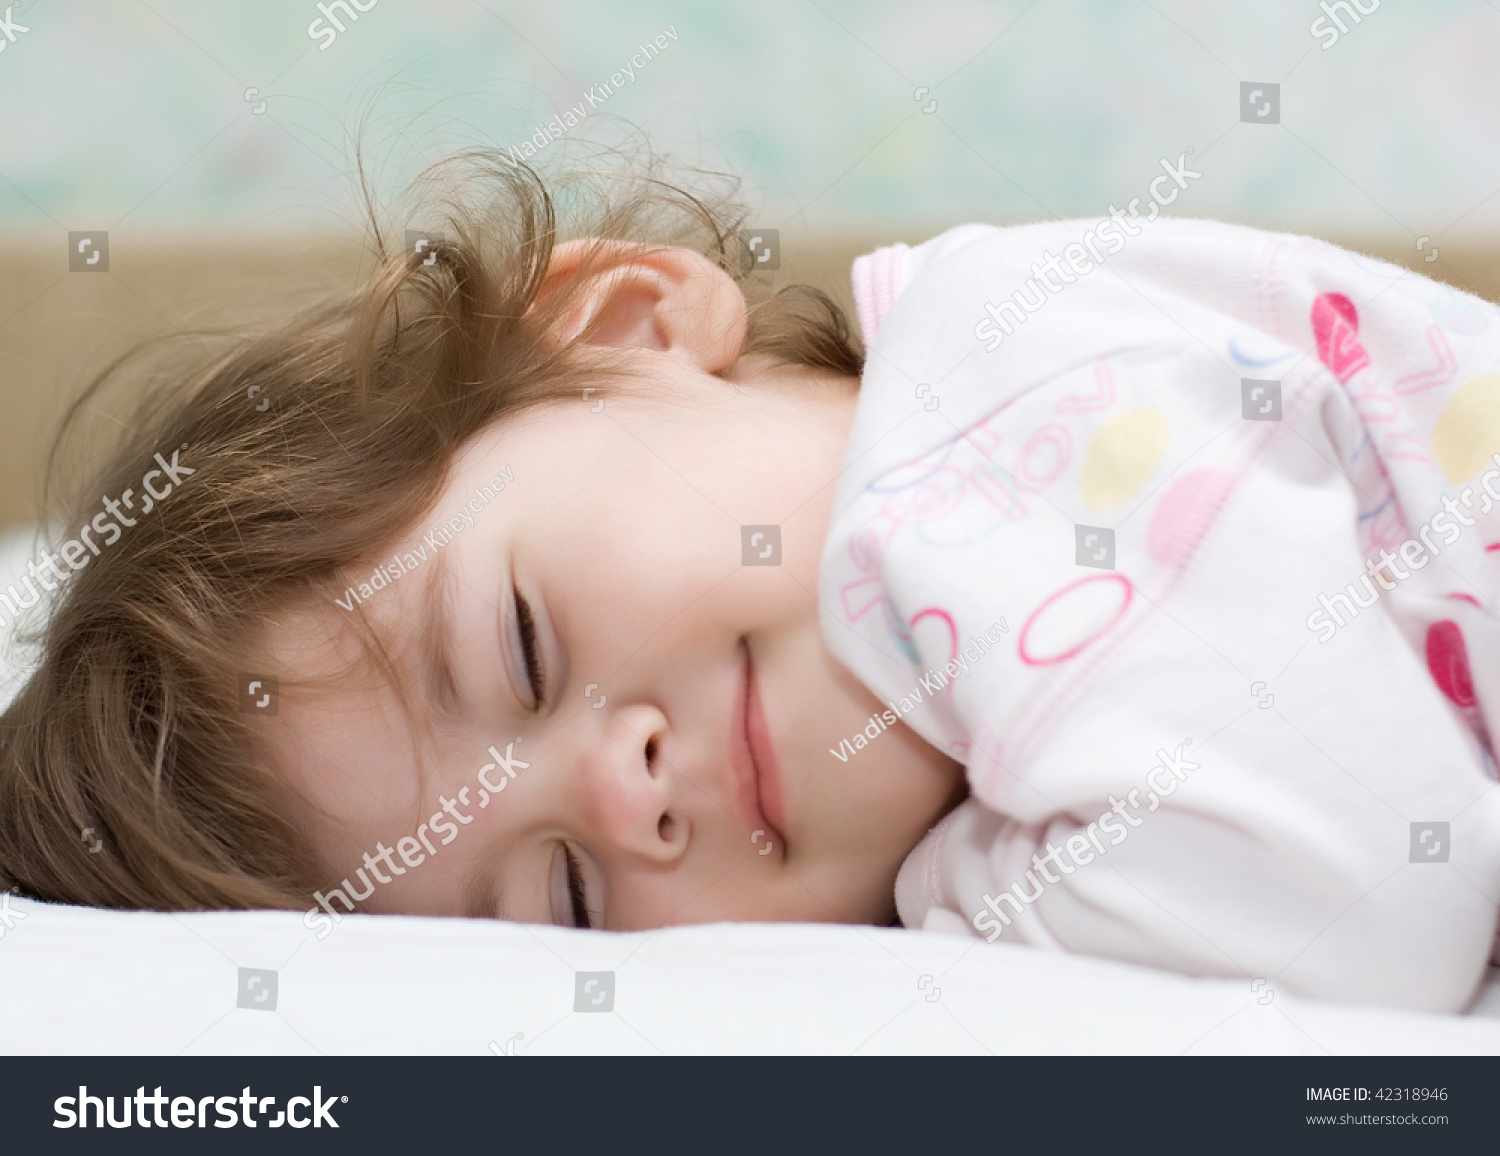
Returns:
(634, 794)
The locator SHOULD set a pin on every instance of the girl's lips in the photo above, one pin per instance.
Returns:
(753, 759)
(763, 751)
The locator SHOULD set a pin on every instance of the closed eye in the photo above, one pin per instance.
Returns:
(569, 898)
(530, 651)
(576, 893)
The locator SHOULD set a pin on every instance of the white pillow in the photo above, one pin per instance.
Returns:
(16, 548)
(144, 982)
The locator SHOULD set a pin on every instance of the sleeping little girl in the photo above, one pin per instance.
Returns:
(1133, 597)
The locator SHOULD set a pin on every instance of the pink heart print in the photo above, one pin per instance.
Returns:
(1448, 662)
(1335, 325)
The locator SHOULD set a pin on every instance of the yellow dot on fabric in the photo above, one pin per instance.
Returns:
(1467, 433)
(1123, 453)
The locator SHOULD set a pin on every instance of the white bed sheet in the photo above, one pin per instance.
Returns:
(97, 982)
(76, 980)
(16, 546)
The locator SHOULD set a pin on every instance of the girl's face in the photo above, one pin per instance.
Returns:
(603, 629)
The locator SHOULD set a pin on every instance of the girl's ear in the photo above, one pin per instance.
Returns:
(627, 295)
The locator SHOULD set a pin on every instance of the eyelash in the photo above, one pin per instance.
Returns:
(575, 891)
(530, 652)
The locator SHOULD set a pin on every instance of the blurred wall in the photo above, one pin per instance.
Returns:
(212, 141)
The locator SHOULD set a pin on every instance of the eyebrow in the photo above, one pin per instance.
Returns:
(435, 646)
(479, 891)
(435, 660)
(482, 887)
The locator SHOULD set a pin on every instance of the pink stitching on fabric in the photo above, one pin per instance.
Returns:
(876, 281)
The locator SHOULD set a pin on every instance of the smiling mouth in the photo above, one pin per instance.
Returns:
(757, 777)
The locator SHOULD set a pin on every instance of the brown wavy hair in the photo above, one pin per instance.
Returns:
(130, 723)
